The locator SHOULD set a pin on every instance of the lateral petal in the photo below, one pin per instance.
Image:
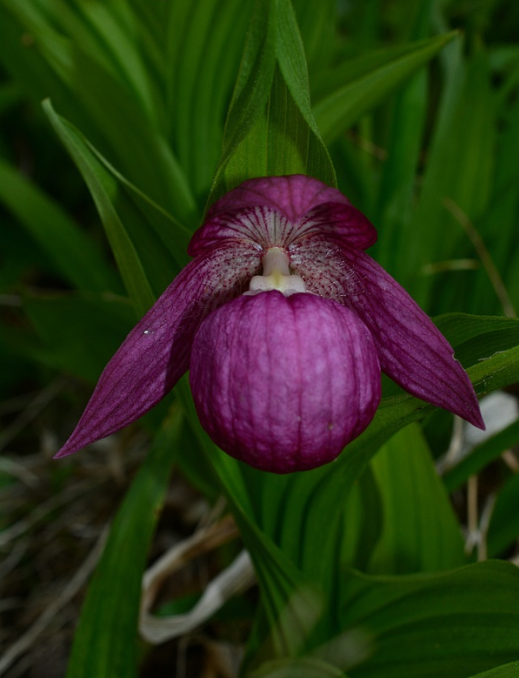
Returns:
(156, 353)
(411, 350)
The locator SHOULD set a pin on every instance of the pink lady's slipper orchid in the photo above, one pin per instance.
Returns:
(285, 325)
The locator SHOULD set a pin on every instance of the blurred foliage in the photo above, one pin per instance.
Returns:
(152, 110)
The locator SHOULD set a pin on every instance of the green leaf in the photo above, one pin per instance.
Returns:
(205, 42)
(460, 328)
(104, 190)
(292, 63)
(423, 626)
(459, 169)
(95, 328)
(338, 111)
(251, 91)
(399, 169)
(350, 68)
(496, 372)
(35, 76)
(506, 671)
(362, 521)
(105, 644)
(316, 22)
(503, 530)
(481, 456)
(70, 249)
(421, 532)
(106, 82)
(289, 601)
(478, 338)
(299, 668)
(270, 128)
(174, 236)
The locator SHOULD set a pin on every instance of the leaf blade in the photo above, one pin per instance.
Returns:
(105, 642)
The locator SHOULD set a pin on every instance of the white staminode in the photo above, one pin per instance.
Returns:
(276, 275)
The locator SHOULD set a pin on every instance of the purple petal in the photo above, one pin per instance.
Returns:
(156, 352)
(292, 195)
(412, 351)
(284, 383)
(273, 211)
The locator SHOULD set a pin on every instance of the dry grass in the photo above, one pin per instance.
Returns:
(53, 516)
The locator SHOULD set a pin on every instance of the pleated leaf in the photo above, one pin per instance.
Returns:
(454, 623)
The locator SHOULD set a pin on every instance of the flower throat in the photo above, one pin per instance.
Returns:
(276, 275)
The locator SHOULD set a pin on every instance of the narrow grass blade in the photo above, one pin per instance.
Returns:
(481, 456)
(72, 251)
(336, 112)
(103, 189)
(105, 644)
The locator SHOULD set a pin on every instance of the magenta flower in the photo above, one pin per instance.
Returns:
(285, 324)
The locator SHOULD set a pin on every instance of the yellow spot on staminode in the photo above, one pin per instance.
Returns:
(276, 275)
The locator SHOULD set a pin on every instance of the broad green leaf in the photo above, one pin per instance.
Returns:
(503, 530)
(454, 623)
(478, 337)
(299, 668)
(506, 671)
(95, 328)
(460, 328)
(362, 521)
(338, 111)
(496, 372)
(70, 249)
(279, 134)
(280, 143)
(420, 531)
(275, 144)
(105, 643)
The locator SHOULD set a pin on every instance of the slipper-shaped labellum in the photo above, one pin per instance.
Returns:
(285, 325)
